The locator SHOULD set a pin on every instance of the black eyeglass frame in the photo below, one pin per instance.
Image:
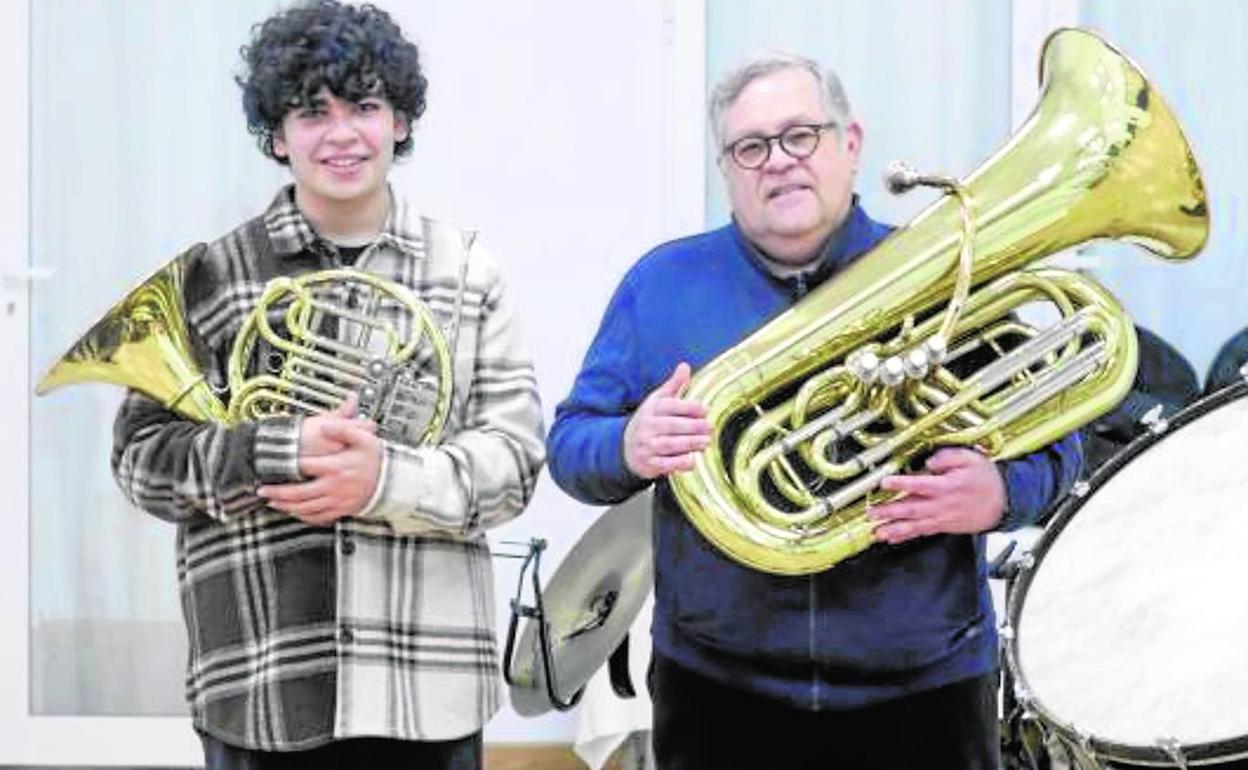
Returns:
(730, 150)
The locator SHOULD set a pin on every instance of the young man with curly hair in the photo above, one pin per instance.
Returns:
(335, 578)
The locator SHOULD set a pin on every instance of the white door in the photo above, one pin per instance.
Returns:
(115, 111)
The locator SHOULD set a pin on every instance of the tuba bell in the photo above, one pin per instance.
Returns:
(886, 361)
(337, 332)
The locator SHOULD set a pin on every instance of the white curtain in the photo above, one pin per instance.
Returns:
(137, 148)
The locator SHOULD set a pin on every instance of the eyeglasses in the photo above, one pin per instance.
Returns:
(800, 141)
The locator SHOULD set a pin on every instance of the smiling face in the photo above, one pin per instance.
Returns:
(340, 152)
(788, 207)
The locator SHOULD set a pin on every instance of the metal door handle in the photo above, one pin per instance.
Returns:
(24, 276)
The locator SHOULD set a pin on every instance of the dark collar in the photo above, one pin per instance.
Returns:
(857, 234)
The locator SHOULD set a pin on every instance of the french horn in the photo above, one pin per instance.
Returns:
(869, 372)
(321, 349)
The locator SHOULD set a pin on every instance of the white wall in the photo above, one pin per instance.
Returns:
(550, 127)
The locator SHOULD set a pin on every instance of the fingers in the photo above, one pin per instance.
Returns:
(949, 458)
(659, 446)
(293, 493)
(669, 406)
(668, 446)
(306, 509)
(897, 532)
(907, 508)
(322, 466)
(940, 477)
(963, 493)
(917, 484)
(333, 421)
(667, 425)
(351, 432)
(662, 466)
(312, 502)
(313, 439)
(667, 431)
(907, 518)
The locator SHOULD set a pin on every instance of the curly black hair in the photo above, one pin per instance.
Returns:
(354, 51)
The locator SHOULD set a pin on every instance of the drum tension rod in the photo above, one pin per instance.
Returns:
(1174, 750)
(1001, 567)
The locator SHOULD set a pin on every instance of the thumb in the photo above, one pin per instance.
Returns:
(675, 384)
(348, 406)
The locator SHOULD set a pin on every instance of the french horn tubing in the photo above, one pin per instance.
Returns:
(376, 351)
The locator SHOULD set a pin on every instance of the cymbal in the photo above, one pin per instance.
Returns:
(590, 603)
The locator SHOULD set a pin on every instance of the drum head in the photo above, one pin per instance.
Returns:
(1130, 629)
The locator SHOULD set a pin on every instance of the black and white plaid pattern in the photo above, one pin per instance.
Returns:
(381, 625)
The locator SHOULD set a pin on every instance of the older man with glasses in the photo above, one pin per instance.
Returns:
(889, 660)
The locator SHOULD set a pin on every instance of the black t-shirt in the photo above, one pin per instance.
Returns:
(349, 254)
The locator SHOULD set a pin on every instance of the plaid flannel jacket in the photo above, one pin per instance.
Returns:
(383, 624)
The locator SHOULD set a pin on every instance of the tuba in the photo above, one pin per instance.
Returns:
(906, 350)
(338, 331)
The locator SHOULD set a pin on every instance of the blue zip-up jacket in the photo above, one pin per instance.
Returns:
(890, 621)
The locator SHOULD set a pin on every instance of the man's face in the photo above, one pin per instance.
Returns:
(340, 152)
(788, 207)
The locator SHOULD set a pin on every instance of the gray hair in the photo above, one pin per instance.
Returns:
(730, 86)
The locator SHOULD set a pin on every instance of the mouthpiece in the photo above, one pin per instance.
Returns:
(900, 177)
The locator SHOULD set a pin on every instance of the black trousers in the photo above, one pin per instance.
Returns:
(703, 725)
(461, 754)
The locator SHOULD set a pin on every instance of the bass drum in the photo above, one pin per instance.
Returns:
(1127, 636)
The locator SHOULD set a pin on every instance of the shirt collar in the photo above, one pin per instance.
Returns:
(290, 233)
